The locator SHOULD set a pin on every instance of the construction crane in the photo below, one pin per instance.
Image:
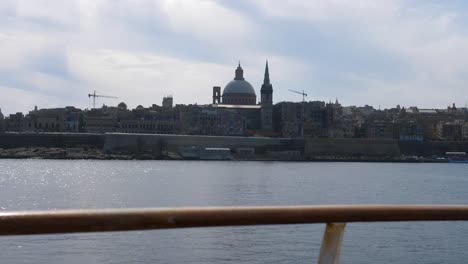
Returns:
(94, 95)
(301, 93)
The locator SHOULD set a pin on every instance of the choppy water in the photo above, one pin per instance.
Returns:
(46, 184)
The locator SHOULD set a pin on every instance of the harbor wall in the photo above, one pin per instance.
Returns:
(429, 148)
(350, 147)
(56, 140)
(154, 143)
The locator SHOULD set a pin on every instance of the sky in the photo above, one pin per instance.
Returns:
(376, 52)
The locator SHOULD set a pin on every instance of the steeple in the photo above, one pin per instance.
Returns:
(267, 89)
(266, 102)
(239, 73)
(266, 78)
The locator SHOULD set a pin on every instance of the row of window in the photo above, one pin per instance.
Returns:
(45, 126)
(155, 132)
(146, 126)
(239, 100)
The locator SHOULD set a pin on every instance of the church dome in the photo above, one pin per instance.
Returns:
(239, 91)
(239, 87)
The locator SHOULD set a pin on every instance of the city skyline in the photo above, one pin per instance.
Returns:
(53, 53)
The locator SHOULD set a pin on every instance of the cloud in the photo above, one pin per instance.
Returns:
(384, 52)
(207, 20)
(144, 78)
(424, 39)
(21, 99)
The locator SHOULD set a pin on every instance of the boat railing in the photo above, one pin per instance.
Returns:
(334, 216)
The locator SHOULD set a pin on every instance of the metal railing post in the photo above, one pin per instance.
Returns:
(331, 243)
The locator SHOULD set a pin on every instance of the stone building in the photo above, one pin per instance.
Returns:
(452, 132)
(152, 120)
(100, 120)
(311, 119)
(66, 119)
(410, 130)
(287, 119)
(222, 122)
(14, 122)
(2, 122)
(383, 129)
(167, 102)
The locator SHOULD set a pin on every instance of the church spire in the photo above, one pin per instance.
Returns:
(266, 79)
(267, 88)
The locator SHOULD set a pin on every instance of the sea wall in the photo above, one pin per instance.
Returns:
(55, 140)
(263, 147)
(347, 147)
(156, 143)
(432, 147)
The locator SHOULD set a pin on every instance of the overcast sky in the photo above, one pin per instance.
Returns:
(377, 52)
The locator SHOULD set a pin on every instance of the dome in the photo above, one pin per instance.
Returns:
(122, 105)
(239, 87)
(239, 91)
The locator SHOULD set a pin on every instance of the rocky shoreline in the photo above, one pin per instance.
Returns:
(98, 154)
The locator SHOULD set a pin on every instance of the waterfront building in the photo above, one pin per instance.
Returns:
(2, 122)
(101, 120)
(310, 119)
(250, 114)
(222, 122)
(66, 119)
(287, 119)
(14, 122)
(452, 132)
(383, 129)
(152, 120)
(410, 130)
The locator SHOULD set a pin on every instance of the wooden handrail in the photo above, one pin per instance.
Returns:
(69, 221)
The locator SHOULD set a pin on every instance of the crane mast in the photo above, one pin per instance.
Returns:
(301, 128)
(94, 95)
